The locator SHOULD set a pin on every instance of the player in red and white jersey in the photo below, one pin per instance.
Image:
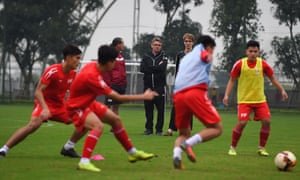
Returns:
(88, 114)
(49, 103)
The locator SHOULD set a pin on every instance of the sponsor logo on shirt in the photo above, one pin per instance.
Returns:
(51, 72)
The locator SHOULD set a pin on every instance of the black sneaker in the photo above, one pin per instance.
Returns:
(2, 154)
(158, 133)
(70, 152)
(148, 132)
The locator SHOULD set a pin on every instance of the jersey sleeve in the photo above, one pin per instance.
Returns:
(236, 69)
(268, 70)
(49, 75)
(204, 55)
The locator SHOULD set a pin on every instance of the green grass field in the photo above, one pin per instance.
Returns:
(38, 156)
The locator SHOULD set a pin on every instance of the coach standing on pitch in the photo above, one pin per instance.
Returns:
(154, 65)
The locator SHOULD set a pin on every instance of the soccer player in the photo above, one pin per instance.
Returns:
(190, 98)
(88, 114)
(250, 72)
(49, 102)
(188, 41)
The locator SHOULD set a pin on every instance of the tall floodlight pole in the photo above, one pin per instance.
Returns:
(135, 38)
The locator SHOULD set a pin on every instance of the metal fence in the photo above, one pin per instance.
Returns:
(219, 79)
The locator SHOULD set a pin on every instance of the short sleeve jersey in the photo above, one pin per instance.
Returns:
(57, 83)
(236, 69)
(86, 87)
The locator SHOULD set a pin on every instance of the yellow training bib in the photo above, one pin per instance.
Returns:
(251, 83)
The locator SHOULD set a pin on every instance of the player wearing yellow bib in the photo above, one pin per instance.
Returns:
(250, 72)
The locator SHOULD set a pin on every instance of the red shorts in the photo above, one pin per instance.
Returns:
(191, 102)
(57, 114)
(261, 111)
(79, 115)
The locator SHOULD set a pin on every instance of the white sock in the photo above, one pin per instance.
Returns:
(5, 149)
(132, 150)
(69, 145)
(177, 152)
(196, 139)
(84, 160)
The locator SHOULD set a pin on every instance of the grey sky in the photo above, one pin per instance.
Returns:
(118, 22)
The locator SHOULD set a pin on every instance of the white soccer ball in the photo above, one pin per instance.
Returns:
(285, 161)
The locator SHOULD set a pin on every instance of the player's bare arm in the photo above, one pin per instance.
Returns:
(229, 87)
(39, 95)
(147, 95)
(279, 87)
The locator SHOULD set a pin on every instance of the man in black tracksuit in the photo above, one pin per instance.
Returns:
(154, 65)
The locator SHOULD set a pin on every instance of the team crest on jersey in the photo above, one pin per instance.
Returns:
(102, 83)
(70, 81)
(51, 72)
(256, 71)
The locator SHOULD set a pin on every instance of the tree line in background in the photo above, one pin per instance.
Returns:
(35, 31)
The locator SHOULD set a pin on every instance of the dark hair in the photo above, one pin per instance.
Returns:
(70, 49)
(206, 41)
(106, 53)
(252, 43)
(116, 41)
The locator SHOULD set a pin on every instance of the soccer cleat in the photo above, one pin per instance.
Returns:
(148, 132)
(262, 152)
(139, 155)
(232, 152)
(177, 163)
(88, 167)
(70, 153)
(2, 154)
(189, 151)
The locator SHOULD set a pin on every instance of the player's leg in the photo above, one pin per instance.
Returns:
(19, 135)
(149, 108)
(92, 123)
(244, 111)
(198, 102)
(184, 133)
(121, 135)
(68, 149)
(262, 113)
(182, 117)
(160, 106)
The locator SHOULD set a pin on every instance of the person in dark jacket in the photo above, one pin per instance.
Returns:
(154, 65)
(188, 40)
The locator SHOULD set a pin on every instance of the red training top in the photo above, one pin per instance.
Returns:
(57, 83)
(236, 69)
(86, 87)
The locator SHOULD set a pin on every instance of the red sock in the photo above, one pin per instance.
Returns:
(236, 134)
(122, 137)
(264, 135)
(90, 143)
